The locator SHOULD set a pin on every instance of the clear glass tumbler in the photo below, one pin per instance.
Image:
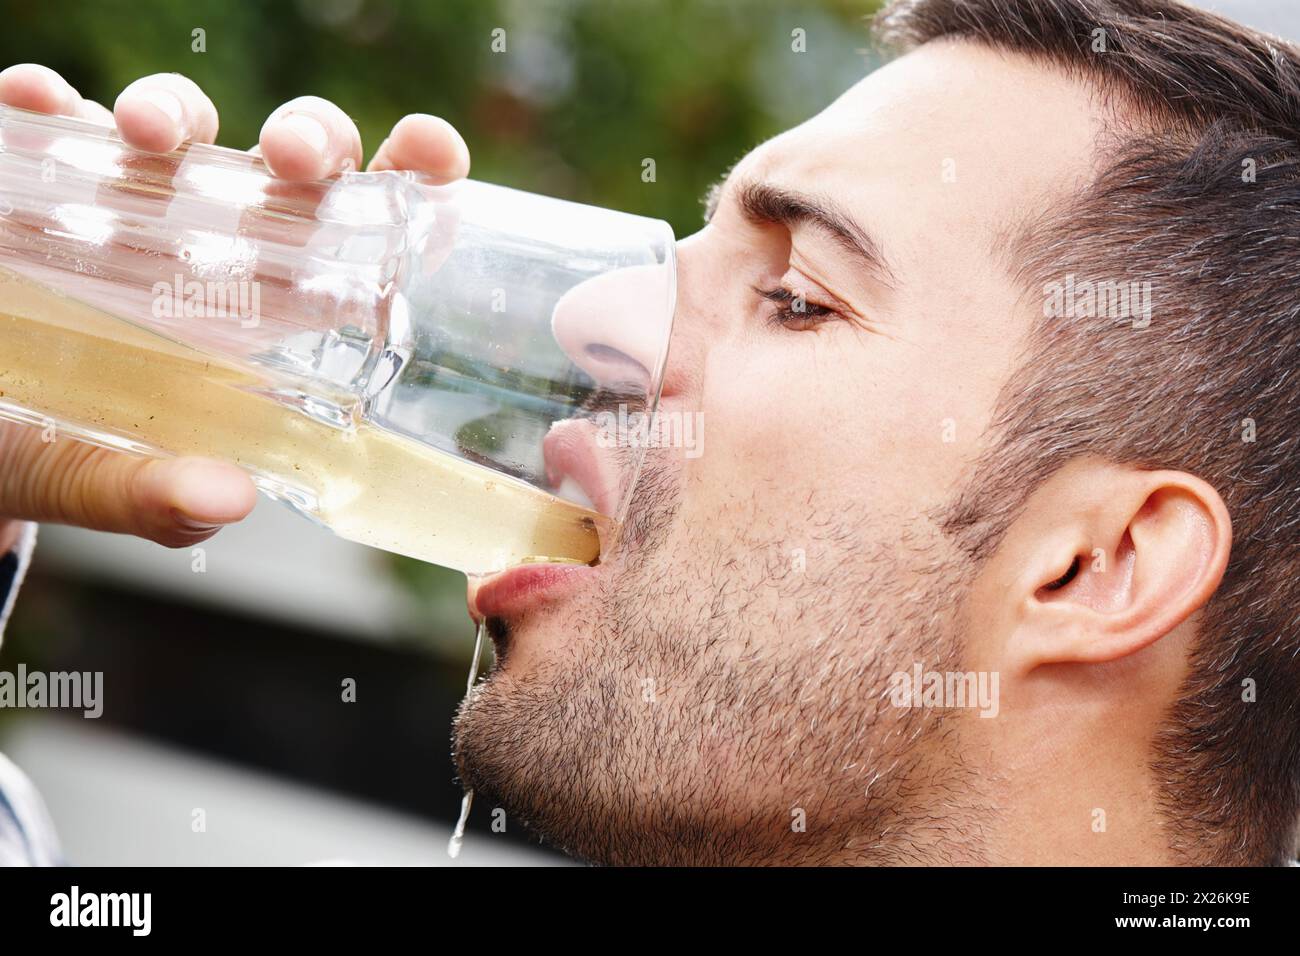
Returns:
(418, 367)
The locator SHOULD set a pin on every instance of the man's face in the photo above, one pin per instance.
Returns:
(717, 690)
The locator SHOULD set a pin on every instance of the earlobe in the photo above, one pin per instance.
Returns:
(1159, 548)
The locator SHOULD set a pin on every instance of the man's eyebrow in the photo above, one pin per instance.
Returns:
(765, 203)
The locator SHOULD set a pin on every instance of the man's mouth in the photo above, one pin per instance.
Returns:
(510, 593)
(577, 473)
(574, 468)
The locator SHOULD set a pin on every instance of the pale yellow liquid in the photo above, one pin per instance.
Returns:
(102, 376)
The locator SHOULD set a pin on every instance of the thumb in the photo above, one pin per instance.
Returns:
(173, 501)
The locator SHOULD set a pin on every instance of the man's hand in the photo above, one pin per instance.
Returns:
(181, 501)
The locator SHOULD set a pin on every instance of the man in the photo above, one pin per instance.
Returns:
(990, 557)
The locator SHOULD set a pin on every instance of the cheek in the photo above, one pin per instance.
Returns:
(808, 418)
(775, 449)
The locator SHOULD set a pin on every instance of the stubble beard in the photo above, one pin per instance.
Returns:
(728, 704)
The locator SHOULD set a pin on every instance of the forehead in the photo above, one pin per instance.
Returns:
(945, 147)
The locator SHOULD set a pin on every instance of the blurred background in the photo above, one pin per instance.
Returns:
(222, 688)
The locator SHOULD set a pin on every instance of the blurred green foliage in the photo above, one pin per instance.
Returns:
(582, 94)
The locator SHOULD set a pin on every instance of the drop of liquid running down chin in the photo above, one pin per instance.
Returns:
(458, 835)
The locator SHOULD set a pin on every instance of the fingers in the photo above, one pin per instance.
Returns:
(157, 113)
(307, 138)
(175, 501)
(30, 86)
(426, 144)
(185, 500)
(310, 138)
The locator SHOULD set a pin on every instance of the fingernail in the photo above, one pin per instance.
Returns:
(462, 148)
(167, 104)
(308, 129)
(191, 524)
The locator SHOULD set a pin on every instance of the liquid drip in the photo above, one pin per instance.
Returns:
(458, 835)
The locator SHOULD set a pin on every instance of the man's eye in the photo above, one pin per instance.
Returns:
(793, 311)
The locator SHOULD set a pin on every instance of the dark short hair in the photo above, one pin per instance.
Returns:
(1198, 193)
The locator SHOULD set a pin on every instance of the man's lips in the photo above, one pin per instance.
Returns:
(569, 451)
(528, 586)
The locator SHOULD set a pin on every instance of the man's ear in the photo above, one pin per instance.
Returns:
(1124, 556)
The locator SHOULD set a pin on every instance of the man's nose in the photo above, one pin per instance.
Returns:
(615, 327)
